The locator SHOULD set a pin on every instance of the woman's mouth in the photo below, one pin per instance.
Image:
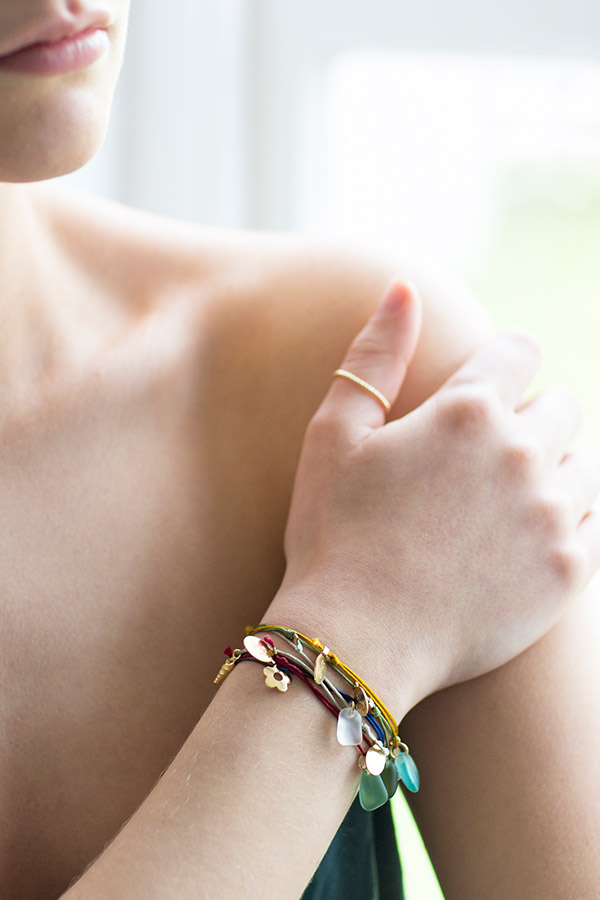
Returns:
(69, 54)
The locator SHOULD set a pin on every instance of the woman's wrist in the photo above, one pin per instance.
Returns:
(365, 647)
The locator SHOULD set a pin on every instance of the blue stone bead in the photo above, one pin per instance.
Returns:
(408, 772)
(372, 792)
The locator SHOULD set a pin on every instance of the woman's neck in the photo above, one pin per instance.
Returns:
(16, 217)
(28, 332)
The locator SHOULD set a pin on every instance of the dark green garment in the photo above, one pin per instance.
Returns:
(362, 862)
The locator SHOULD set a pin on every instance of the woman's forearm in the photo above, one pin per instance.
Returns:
(250, 803)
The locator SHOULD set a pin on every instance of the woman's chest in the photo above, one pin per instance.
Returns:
(130, 555)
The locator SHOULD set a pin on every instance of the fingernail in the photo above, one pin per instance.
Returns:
(395, 297)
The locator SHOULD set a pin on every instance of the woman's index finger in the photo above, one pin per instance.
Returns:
(506, 363)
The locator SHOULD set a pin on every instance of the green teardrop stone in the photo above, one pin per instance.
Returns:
(390, 778)
(408, 772)
(372, 792)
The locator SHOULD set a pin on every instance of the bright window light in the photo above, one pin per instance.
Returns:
(488, 164)
(425, 150)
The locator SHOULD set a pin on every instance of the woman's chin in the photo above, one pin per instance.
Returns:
(46, 165)
(53, 140)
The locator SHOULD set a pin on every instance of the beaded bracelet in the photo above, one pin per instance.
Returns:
(361, 700)
(361, 717)
(287, 661)
(374, 791)
(326, 657)
(371, 796)
(396, 752)
(371, 713)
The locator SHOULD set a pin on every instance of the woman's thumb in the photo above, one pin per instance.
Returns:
(378, 358)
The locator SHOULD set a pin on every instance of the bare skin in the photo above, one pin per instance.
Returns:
(156, 381)
(147, 485)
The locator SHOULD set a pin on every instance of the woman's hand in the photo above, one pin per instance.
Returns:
(440, 545)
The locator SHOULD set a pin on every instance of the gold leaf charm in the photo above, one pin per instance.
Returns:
(274, 678)
(362, 701)
(320, 669)
(258, 648)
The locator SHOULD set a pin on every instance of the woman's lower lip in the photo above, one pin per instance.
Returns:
(68, 55)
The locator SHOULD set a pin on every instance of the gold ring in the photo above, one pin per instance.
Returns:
(343, 373)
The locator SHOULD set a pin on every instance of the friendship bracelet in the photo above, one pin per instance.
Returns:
(272, 681)
(361, 718)
(343, 700)
(398, 750)
(379, 760)
(285, 662)
(281, 662)
(326, 656)
(373, 714)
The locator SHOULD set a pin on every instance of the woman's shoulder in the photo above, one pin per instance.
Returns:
(285, 271)
(139, 256)
(280, 307)
(286, 276)
(289, 305)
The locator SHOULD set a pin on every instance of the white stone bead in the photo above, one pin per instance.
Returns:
(349, 727)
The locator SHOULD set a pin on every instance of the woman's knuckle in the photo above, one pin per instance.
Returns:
(523, 457)
(467, 407)
(553, 514)
(568, 564)
(323, 426)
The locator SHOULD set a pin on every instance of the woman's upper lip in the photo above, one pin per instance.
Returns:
(55, 30)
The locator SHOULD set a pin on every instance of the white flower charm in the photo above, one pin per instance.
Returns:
(276, 679)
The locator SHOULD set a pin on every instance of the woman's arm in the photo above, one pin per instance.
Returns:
(509, 802)
(260, 787)
(246, 809)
